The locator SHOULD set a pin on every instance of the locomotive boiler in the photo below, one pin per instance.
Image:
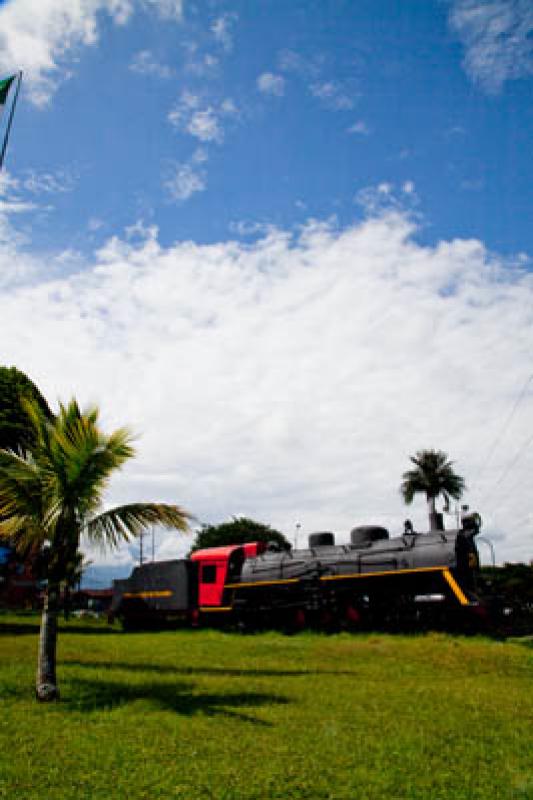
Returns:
(374, 580)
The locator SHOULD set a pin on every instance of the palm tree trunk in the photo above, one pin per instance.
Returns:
(66, 602)
(46, 687)
(432, 513)
(436, 521)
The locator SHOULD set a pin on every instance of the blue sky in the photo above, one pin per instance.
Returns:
(367, 93)
(173, 168)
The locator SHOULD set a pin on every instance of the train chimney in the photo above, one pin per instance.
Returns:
(322, 539)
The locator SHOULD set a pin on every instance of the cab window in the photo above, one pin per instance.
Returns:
(209, 573)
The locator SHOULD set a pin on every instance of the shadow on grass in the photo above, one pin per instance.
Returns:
(163, 669)
(176, 697)
(16, 629)
(32, 628)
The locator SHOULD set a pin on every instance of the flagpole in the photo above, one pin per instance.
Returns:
(8, 130)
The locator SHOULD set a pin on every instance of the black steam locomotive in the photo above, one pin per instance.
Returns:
(375, 581)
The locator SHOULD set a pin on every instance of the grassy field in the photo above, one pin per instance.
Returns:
(203, 714)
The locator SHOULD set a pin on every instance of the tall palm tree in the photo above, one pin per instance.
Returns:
(52, 496)
(433, 475)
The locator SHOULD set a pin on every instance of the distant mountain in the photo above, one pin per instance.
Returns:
(103, 577)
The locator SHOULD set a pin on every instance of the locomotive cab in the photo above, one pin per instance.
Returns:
(467, 556)
(219, 566)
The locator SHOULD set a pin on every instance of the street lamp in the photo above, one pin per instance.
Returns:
(298, 526)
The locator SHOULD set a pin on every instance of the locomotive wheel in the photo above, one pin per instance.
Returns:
(295, 621)
(353, 619)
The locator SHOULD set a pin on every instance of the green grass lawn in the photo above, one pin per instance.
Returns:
(204, 714)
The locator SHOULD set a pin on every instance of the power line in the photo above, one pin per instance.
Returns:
(503, 429)
(515, 459)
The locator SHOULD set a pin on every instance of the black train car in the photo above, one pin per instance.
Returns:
(158, 592)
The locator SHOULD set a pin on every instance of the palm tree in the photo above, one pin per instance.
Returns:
(433, 476)
(72, 582)
(52, 496)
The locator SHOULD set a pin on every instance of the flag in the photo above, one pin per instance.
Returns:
(5, 86)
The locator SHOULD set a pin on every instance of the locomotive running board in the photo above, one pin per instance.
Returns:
(447, 575)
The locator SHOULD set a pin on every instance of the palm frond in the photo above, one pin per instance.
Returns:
(20, 486)
(41, 424)
(84, 457)
(433, 476)
(125, 522)
(22, 533)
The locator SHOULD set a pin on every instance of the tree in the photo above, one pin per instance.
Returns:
(16, 431)
(73, 577)
(433, 475)
(51, 496)
(238, 531)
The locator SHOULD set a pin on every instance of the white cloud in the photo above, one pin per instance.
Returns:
(246, 228)
(204, 125)
(186, 179)
(360, 127)
(16, 207)
(41, 37)
(385, 198)
(201, 122)
(291, 61)
(199, 156)
(333, 95)
(12, 200)
(498, 39)
(144, 63)
(167, 9)
(203, 66)
(95, 224)
(15, 264)
(56, 182)
(229, 108)
(290, 378)
(222, 30)
(270, 83)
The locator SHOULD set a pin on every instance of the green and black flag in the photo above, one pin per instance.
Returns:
(5, 86)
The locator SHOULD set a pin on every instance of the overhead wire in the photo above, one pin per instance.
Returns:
(509, 466)
(499, 436)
